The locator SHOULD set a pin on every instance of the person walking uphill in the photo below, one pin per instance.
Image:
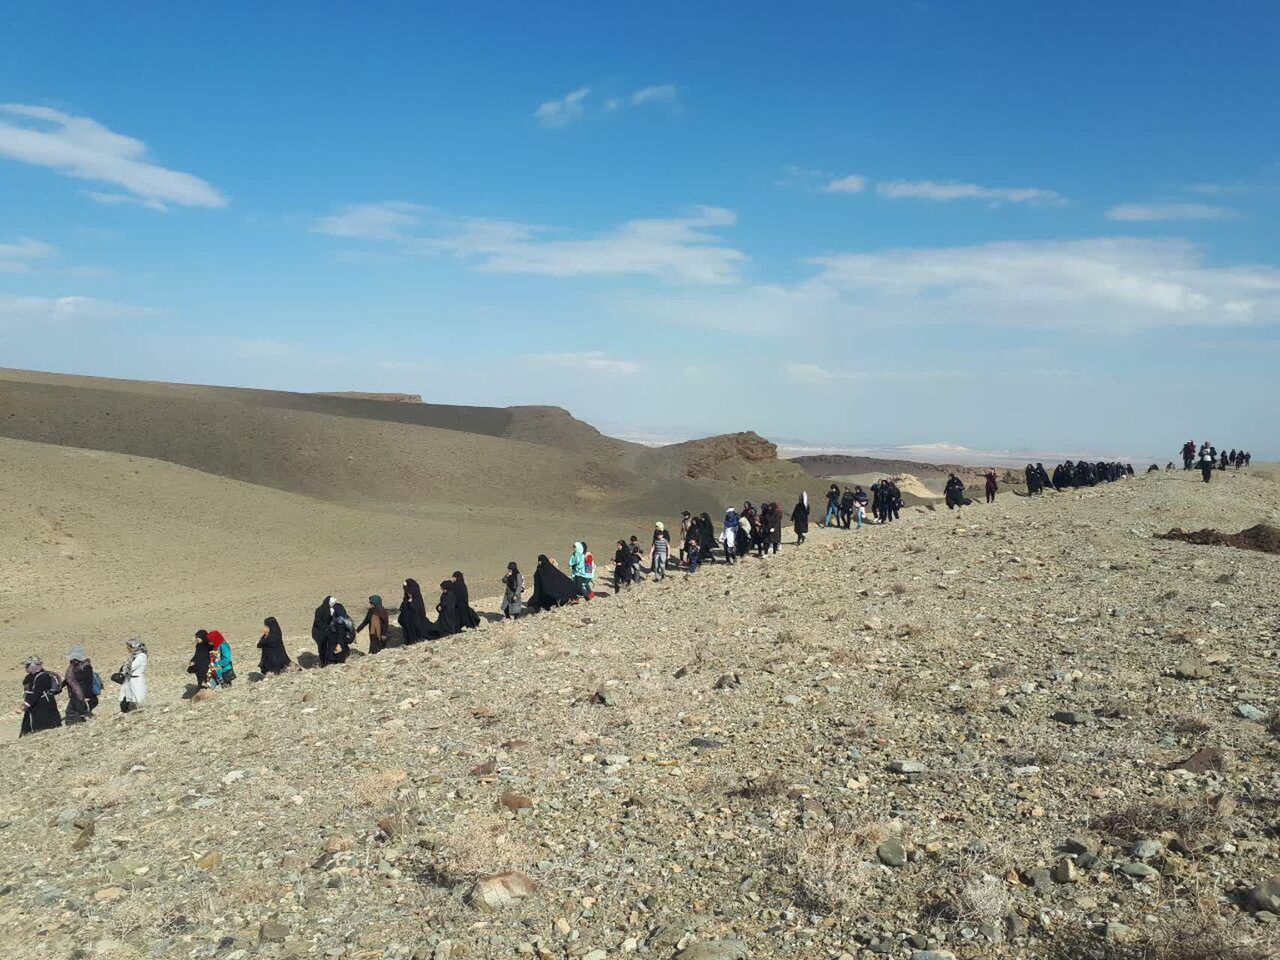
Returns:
(83, 686)
(800, 518)
(582, 577)
(513, 592)
(338, 637)
(954, 491)
(320, 624)
(222, 671)
(274, 658)
(378, 622)
(132, 677)
(201, 660)
(551, 588)
(40, 687)
(415, 625)
(1206, 464)
(992, 486)
(470, 619)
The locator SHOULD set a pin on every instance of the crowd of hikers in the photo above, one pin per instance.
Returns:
(699, 540)
(1208, 459)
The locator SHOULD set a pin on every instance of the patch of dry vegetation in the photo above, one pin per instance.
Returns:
(1191, 938)
(1192, 823)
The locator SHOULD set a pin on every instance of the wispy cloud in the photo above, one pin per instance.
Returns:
(946, 191)
(1159, 212)
(22, 312)
(83, 148)
(389, 220)
(1102, 286)
(573, 106)
(811, 374)
(850, 184)
(589, 361)
(678, 249)
(123, 199)
(16, 257)
(564, 111)
(660, 93)
(794, 175)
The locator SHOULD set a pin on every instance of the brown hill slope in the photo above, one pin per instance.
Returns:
(997, 701)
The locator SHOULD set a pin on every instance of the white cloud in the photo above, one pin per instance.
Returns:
(811, 374)
(18, 312)
(16, 257)
(850, 184)
(119, 199)
(1157, 212)
(678, 249)
(661, 93)
(590, 361)
(559, 113)
(953, 190)
(1099, 286)
(83, 148)
(390, 220)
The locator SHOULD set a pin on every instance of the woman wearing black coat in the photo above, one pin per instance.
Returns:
(200, 660)
(320, 624)
(450, 617)
(470, 618)
(39, 708)
(338, 637)
(551, 586)
(414, 622)
(274, 656)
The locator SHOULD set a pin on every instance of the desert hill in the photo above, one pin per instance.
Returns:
(153, 509)
(1027, 730)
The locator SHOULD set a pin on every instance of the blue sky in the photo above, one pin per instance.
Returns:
(999, 224)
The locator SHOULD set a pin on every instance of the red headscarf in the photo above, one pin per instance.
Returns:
(216, 639)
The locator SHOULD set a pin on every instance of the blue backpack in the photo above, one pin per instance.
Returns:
(97, 684)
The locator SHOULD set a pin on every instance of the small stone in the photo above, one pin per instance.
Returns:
(606, 698)
(1139, 871)
(1266, 895)
(1071, 718)
(1249, 712)
(908, 767)
(1080, 845)
(1118, 932)
(209, 860)
(109, 894)
(892, 853)
(338, 843)
(203, 695)
(515, 801)
(705, 743)
(1146, 849)
(272, 932)
(1064, 871)
(1192, 668)
(500, 891)
(1202, 761)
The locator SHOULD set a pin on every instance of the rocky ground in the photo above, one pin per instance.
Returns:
(1027, 730)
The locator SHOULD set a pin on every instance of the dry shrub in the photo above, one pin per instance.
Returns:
(1187, 938)
(767, 787)
(1192, 726)
(475, 846)
(972, 891)
(831, 868)
(1190, 822)
(788, 635)
(772, 609)
(375, 788)
(898, 589)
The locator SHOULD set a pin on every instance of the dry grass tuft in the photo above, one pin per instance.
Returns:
(831, 867)
(1191, 938)
(474, 847)
(762, 788)
(1192, 726)
(1272, 722)
(1191, 823)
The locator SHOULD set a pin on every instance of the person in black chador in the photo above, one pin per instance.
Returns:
(551, 586)
(338, 637)
(320, 624)
(954, 491)
(274, 657)
(449, 614)
(707, 538)
(991, 486)
(470, 618)
(1033, 480)
(800, 518)
(201, 659)
(414, 622)
(40, 687)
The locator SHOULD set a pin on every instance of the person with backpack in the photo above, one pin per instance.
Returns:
(40, 687)
(221, 669)
(83, 686)
(132, 676)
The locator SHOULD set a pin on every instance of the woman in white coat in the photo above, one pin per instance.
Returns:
(132, 677)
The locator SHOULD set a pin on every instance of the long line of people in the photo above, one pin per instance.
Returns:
(334, 632)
